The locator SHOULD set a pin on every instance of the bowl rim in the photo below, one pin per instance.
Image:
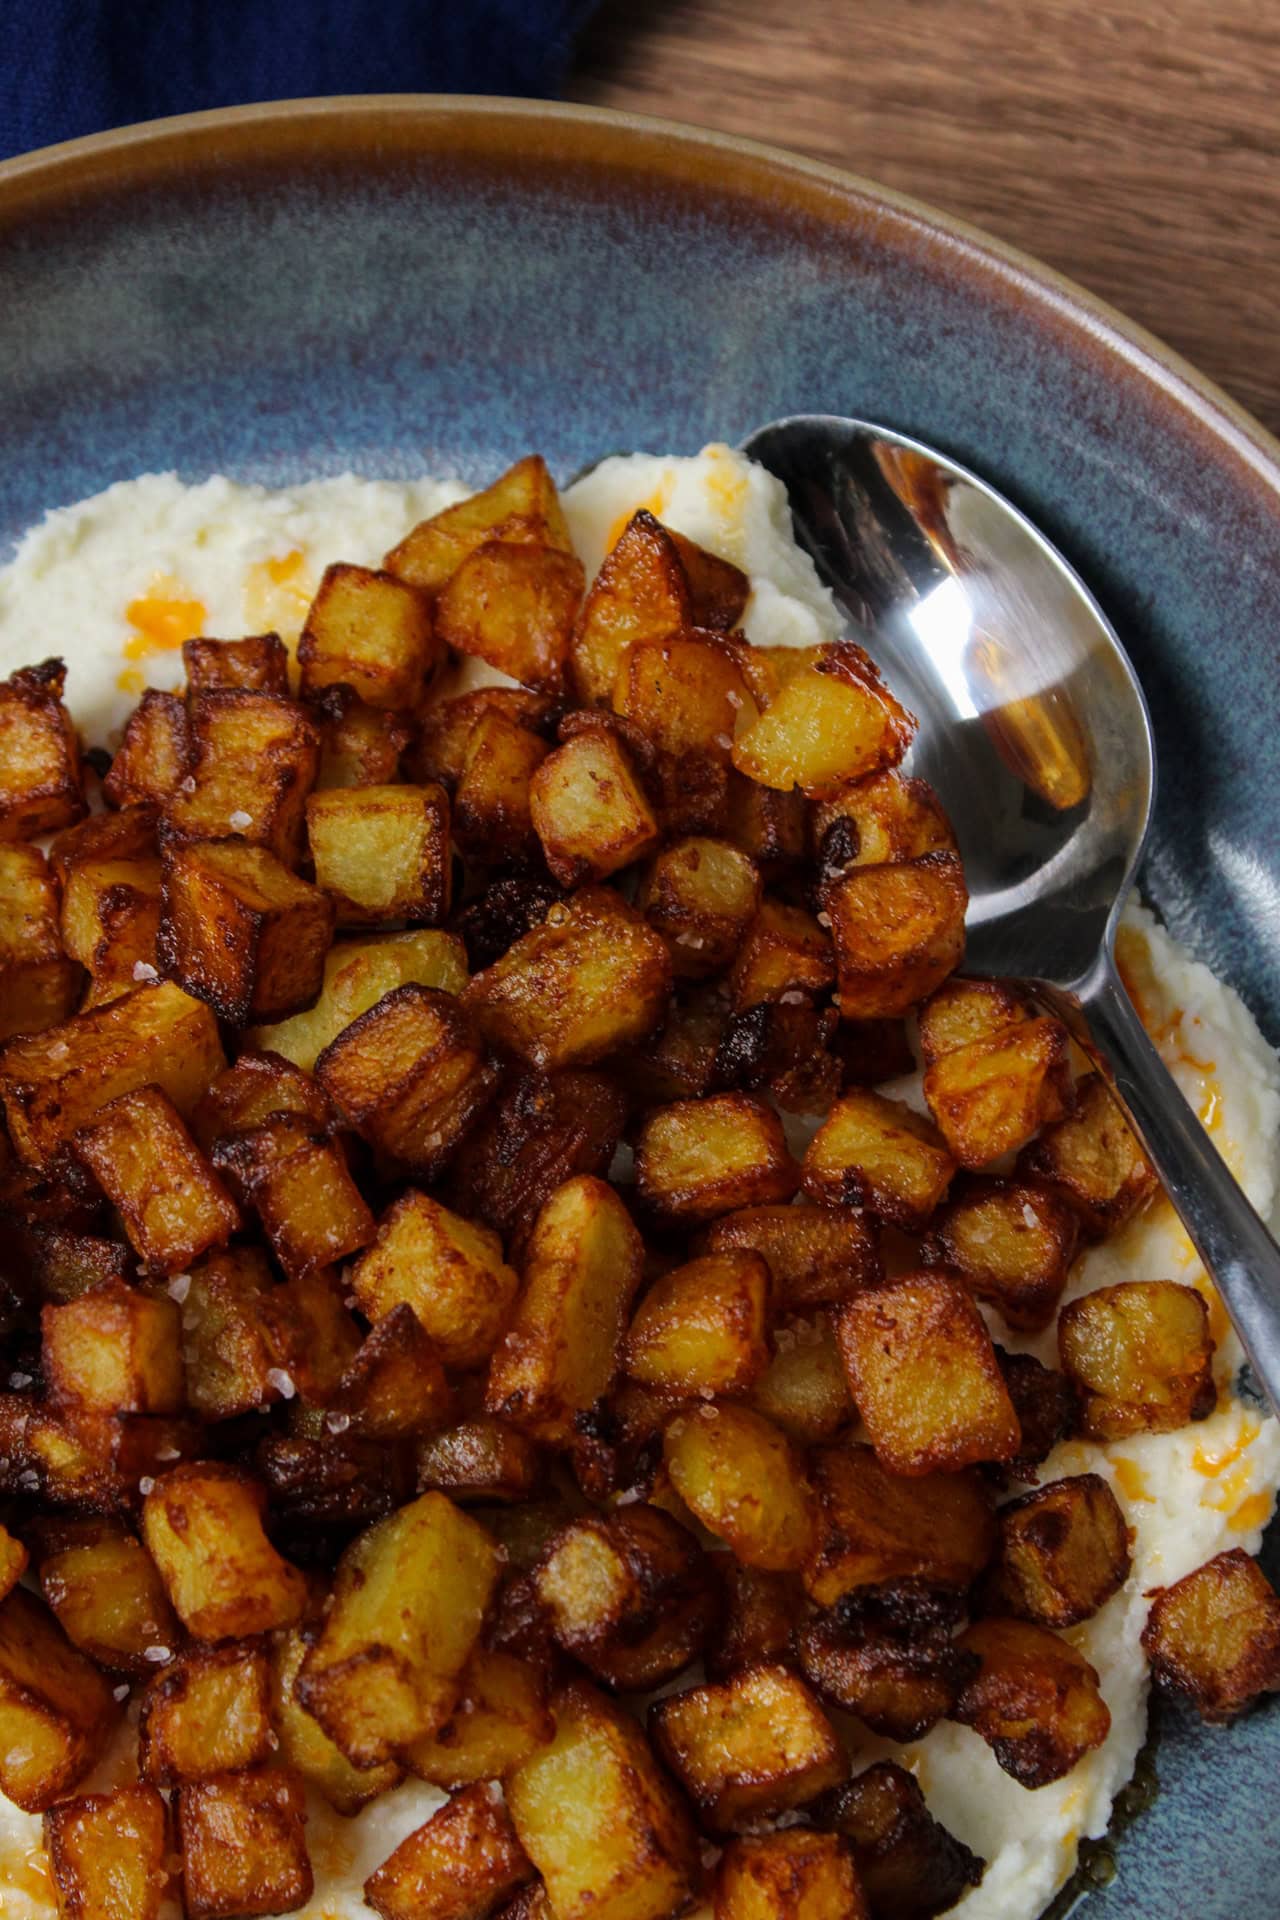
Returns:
(220, 139)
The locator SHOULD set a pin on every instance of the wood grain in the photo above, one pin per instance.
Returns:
(1135, 148)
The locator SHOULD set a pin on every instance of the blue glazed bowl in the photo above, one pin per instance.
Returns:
(396, 285)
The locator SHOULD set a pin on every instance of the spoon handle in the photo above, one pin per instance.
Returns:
(1239, 1254)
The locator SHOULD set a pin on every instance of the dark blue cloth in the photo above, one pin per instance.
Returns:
(69, 67)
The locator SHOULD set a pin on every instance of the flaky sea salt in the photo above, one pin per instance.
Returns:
(282, 1382)
(723, 742)
(337, 1422)
(1029, 1215)
(144, 972)
(121, 1692)
(239, 820)
(179, 1287)
(157, 1655)
(19, 1380)
(188, 784)
(824, 919)
(146, 1485)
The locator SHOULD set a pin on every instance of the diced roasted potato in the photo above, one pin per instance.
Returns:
(154, 755)
(718, 591)
(641, 592)
(924, 1375)
(202, 1525)
(767, 825)
(258, 1088)
(1012, 1242)
(1213, 1638)
(445, 729)
(103, 1587)
(699, 1158)
(61, 1264)
(253, 762)
(879, 1154)
(804, 1390)
(357, 973)
(701, 894)
(703, 1328)
(56, 1709)
(817, 1256)
(241, 932)
(522, 504)
(780, 1048)
(305, 1746)
(898, 1684)
(965, 1010)
(501, 1718)
(1064, 1550)
(1035, 1700)
(258, 663)
(560, 1354)
(382, 853)
(41, 783)
(875, 1528)
(590, 979)
(360, 745)
(114, 1350)
(323, 1486)
(231, 1341)
(1047, 1405)
(1141, 1354)
(785, 952)
(513, 604)
(794, 1875)
(450, 1271)
(173, 1205)
(410, 1076)
(129, 834)
(108, 1854)
(207, 1712)
(590, 810)
(677, 1062)
(875, 821)
(832, 722)
(409, 1599)
(39, 984)
(13, 1562)
(298, 1183)
(744, 1481)
(395, 1385)
(480, 1460)
(53, 1083)
(760, 1610)
(492, 803)
(460, 1865)
(1093, 1159)
(111, 922)
(371, 632)
(61, 1459)
(630, 1851)
(243, 1848)
(908, 1864)
(898, 932)
(989, 1096)
(757, 1743)
(685, 694)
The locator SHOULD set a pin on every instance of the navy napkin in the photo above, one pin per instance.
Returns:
(69, 67)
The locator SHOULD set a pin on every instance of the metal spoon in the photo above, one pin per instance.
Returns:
(1034, 731)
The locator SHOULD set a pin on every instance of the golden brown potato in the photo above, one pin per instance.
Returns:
(965, 1010)
(514, 604)
(259, 662)
(630, 1852)
(757, 1743)
(208, 1711)
(767, 825)
(394, 1386)
(1094, 1160)
(202, 1525)
(1064, 1550)
(232, 1348)
(832, 722)
(1035, 1700)
(703, 1328)
(1141, 1354)
(110, 923)
(357, 973)
(243, 1848)
(590, 810)
(173, 1205)
(108, 1854)
(13, 1562)
(39, 983)
(816, 1255)
(492, 803)
(382, 853)
(718, 591)
(154, 755)
(253, 763)
(409, 1599)
(1012, 1242)
(804, 1390)
(760, 1610)
(460, 1865)
(522, 504)
(684, 692)
(878, 1154)
(898, 932)
(41, 783)
(501, 1718)
(874, 1528)
(785, 952)
(899, 1684)
(258, 1088)
(990, 1096)
(61, 1462)
(910, 1867)
(360, 745)
(447, 1269)
(797, 1875)
(744, 1481)
(129, 834)
(239, 931)
(105, 1593)
(641, 593)
(588, 981)
(480, 1460)
(307, 1749)
(884, 818)
(1213, 1638)
(699, 1158)
(371, 632)
(445, 728)
(56, 1710)
(62, 1264)
(701, 895)
(114, 1350)
(560, 1354)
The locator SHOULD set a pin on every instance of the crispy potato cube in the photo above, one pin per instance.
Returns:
(744, 1481)
(924, 1375)
(382, 853)
(703, 1328)
(231, 1343)
(590, 810)
(542, 1129)
(1141, 1354)
(767, 825)
(259, 663)
(298, 1183)
(990, 1096)
(61, 1461)
(357, 973)
(832, 722)
(106, 1594)
(259, 1087)
(641, 592)
(874, 1528)
(56, 1710)
(53, 1083)
(395, 1384)
(307, 1749)
(1047, 1405)
(458, 1866)
(684, 693)
(448, 1270)
(907, 1862)
(560, 1354)
(964, 1010)
(409, 1599)
(360, 745)
(877, 1153)
(629, 1852)
(1213, 1638)
(898, 931)
(371, 632)
(816, 1255)
(253, 763)
(781, 1048)
(785, 951)
(1064, 1550)
(39, 984)
(803, 1390)
(629, 1594)
(755, 1744)
(884, 818)
(154, 755)
(445, 729)
(492, 803)
(522, 504)
(701, 895)
(111, 921)
(513, 604)
(1035, 1700)
(1011, 1242)
(114, 1350)
(13, 1562)
(202, 1525)
(243, 1848)
(107, 1854)
(207, 1712)
(591, 979)
(796, 1875)
(678, 1062)
(129, 834)
(241, 932)
(1094, 1160)
(501, 1718)
(760, 1612)
(699, 1158)
(410, 1076)
(41, 783)
(718, 591)
(480, 1460)
(898, 1684)
(173, 1205)
(62, 1264)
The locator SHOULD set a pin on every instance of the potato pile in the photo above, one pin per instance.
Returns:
(359, 1427)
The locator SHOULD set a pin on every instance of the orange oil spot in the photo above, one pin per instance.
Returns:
(162, 618)
(131, 680)
(1251, 1513)
(277, 595)
(1130, 1479)
(1212, 1464)
(657, 503)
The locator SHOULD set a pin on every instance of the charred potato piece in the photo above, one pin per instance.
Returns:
(382, 853)
(876, 821)
(307, 1749)
(1213, 1638)
(493, 801)
(56, 1710)
(41, 783)
(1094, 1160)
(703, 1328)
(785, 952)
(898, 932)
(760, 1613)
(39, 984)
(232, 1350)
(154, 755)
(460, 1865)
(898, 1685)
(501, 1719)
(1141, 1354)
(910, 1867)
(395, 1385)
(755, 1744)
(173, 1205)
(445, 729)
(258, 1088)
(767, 825)
(514, 604)
(1012, 1243)
(817, 1256)
(678, 1062)
(699, 1158)
(448, 1270)
(480, 1460)
(1064, 1550)
(371, 632)
(718, 591)
(804, 1390)
(241, 932)
(542, 1129)
(874, 1528)
(253, 762)
(1047, 1405)
(259, 663)
(640, 593)
(781, 1049)
(107, 1854)
(202, 1525)
(796, 1875)
(832, 722)
(508, 908)
(114, 1350)
(111, 912)
(522, 504)
(63, 1264)
(106, 1594)
(360, 745)
(208, 1712)
(1034, 1700)
(589, 810)
(357, 974)
(701, 895)
(877, 1153)
(243, 1848)
(744, 1481)
(990, 1096)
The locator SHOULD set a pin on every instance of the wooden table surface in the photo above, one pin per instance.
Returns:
(1134, 147)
